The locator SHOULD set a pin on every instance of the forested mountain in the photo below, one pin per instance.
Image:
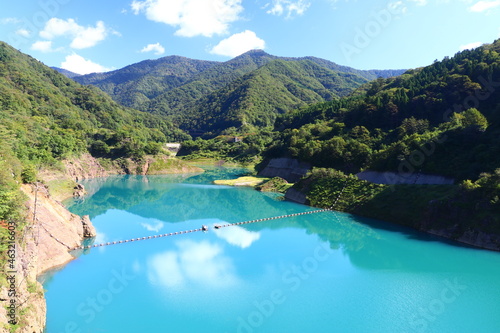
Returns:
(174, 102)
(46, 116)
(443, 119)
(184, 89)
(65, 72)
(137, 84)
(256, 99)
(369, 74)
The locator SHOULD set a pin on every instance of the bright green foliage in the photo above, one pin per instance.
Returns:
(275, 184)
(245, 149)
(474, 119)
(442, 119)
(137, 84)
(324, 187)
(246, 93)
(46, 116)
(471, 206)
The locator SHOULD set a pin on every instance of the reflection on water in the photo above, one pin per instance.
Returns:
(237, 236)
(202, 263)
(316, 273)
(156, 226)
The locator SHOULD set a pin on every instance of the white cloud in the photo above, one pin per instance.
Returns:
(156, 48)
(82, 37)
(192, 17)
(482, 6)
(238, 236)
(43, 46)
(23, 32)
(420, 2)
(193, 263)
(238, 43)
(397, 7)
(153, 227)
(470, 46)
(291, 8)
(10, 20)
(78, 64)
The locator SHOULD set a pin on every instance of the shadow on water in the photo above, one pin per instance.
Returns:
(371, 244)
(411, 233)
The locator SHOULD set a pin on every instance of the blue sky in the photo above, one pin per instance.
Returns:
(89, 35)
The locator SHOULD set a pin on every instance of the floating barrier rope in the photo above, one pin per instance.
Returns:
(340, 194)
(139, 239)
(204, 228)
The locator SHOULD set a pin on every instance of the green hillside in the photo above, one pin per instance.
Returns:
(195, 94)
(254, 100)
(442, 119)
(46, 117)
(174, 102)
(137, 84)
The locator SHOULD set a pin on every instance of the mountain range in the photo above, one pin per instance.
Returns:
(243, 93)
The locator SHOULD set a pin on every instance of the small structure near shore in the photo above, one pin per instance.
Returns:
(173, 148)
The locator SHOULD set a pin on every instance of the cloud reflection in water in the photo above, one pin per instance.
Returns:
(156, 227)
(237, 236)
(199, 263)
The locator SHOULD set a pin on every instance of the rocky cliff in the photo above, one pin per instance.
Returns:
(43, 244)
(290, 169)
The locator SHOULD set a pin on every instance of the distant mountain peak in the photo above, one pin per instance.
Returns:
(65, 72)
(256, 53)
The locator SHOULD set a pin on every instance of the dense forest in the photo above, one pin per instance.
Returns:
(442, 119)
(244, 93)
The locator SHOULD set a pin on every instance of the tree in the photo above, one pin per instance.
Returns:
(474, 119)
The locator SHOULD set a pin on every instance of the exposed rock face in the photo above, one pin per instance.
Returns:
(173, 148)
(289, 169)
(79, 191)
(88, 227)
(296, 196)
(51, 231)
(84, 167)
(471, 237)
(392, 178)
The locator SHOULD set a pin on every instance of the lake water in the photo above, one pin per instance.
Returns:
(324, 272)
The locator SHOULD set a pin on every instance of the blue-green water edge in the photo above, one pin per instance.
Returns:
(325, 272)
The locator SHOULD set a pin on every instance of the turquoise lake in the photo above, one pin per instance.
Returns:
(323, 272)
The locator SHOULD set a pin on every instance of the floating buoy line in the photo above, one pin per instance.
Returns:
(205, 228)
